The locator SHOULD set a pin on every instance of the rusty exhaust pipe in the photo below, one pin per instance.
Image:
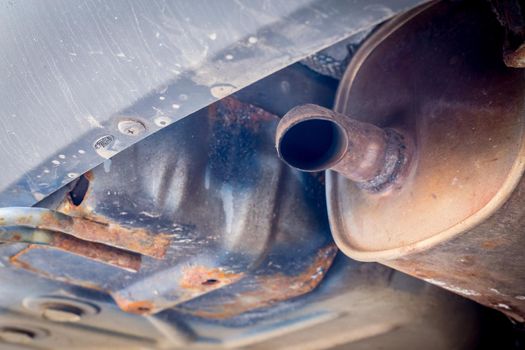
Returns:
(313, 138)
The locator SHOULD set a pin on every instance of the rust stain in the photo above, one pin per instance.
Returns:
(275, 288)
(135, 240)
(89, 176)
(492, 243)
(16, 260)
(202, 279)
(94, 251)
(196, 280)
(16, 237)
(141, 307)
(516, 58)
(98, 252)
(378, 171)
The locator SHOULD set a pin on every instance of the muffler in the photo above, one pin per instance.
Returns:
(425, 153)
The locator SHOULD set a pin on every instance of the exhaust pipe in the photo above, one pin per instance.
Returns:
(313, 138)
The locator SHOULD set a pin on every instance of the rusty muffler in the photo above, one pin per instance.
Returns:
(425, 151)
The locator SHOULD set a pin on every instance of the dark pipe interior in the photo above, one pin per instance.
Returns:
(311, 145)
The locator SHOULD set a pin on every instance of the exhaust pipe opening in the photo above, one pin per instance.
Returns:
(313, 144)
(313, 138)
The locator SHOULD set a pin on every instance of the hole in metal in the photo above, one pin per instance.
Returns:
(210, 282)
(78, 193)
(59, 312)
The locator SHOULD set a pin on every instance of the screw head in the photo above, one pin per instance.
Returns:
(131, 127)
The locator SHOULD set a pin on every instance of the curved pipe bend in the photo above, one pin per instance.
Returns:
(314, 138)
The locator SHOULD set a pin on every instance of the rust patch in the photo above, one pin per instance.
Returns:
(466, 276)
(269, 290)
(141, 307)
(492, 243)
(89, 176)
(98, 252)
(16, 237)
(515, 59)
(135, 240)
(196, 280)
(374, 171)
(16, 260)
(94, 251)
(202, 279)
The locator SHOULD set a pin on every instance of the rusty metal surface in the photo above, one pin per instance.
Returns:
(486, 264)
(438, 73)
(134, 240)
(446, 87)
(353, 298)
(511, 16)
(310, 137)
(95, 251)
(357, 305)
(262, 290)
(215, 188)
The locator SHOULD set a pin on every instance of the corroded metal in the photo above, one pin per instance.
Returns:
(256, 292)
(437, 74)
(134, 240)
(511, 16)
(232, 211)
(313, 138)
(362, 303)
(96, 251)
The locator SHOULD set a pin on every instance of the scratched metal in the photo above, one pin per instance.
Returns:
(214, 186)
(71, 70)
